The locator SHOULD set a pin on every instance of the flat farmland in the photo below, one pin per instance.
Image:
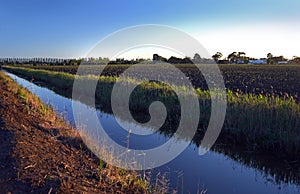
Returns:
(267, 123)
(272, 80)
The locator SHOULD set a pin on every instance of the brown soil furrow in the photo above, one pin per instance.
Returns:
(38, 156)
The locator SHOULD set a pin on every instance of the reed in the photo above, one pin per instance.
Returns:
(258, 122)
(129, 181)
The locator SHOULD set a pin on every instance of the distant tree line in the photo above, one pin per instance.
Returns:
(186, 60)
(37, 61)
(232, 58)
(241, 58)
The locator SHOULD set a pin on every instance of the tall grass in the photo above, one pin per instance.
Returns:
(128, 181)
(258, 122)
(262, 121)
(32, 102)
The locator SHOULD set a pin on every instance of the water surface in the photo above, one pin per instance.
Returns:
(189, 172)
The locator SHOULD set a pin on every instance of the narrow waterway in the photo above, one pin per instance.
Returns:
(189, 172)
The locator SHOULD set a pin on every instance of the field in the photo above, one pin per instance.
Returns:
(273, 80)
(259, 122)
(261, 127)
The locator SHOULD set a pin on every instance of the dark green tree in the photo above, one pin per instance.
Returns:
(233, 57)
(217, 56)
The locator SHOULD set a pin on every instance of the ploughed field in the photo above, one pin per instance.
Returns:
(273, 80)
(265, 122)
(254, 123)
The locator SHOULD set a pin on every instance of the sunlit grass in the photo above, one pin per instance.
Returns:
(260, 122)
(130, 181)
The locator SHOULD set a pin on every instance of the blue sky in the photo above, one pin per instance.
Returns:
(69, 28)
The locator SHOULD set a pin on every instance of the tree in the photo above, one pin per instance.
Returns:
(217, 56)
(157, 57)
(296, 59)
(241, 54)
(269, 56)
(233, 57)
(242, 58)
(197, 57)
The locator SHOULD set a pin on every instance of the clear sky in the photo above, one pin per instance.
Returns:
(69, 28)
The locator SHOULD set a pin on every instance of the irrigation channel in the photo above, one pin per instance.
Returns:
(218, 171)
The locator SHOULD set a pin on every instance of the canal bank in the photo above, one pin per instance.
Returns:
(42, 154)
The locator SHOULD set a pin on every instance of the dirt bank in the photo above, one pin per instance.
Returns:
(41, 154)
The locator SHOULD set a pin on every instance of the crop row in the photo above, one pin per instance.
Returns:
(272, 80)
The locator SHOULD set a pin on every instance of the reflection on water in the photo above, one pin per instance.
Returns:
(222, 170)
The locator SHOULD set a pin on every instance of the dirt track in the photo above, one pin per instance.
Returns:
(42, 156)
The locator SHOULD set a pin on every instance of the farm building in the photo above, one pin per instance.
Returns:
(282, 62)
(258, 61)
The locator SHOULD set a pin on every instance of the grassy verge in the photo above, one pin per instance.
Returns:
(119, 180)
(255, 79)
(258, 122)
(33, 103)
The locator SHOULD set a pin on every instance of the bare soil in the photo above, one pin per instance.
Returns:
(42, 156)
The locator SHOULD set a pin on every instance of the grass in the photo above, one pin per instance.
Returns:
(268, 122)
(255, 121)
(128, 180)
(255, 79)
(32, 102)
